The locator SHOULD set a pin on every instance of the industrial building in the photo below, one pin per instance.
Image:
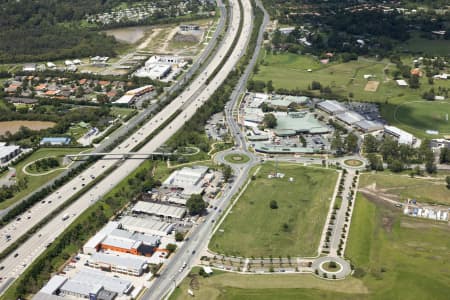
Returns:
(55, 141)
(400, 135)
(158, 67)
(349, 117)
(331, 107)
(123, 241)
(93, 284)
(368, 126)
(93, 244)
(51, 289)
(125, 264)
(189, 179)
(8, 152)
(132, 96)
(146, 226)
(88, 284)
(111, 237)
(160, 210)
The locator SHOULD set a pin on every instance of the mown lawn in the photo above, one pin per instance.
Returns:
(222, 285)
(403, 258)
(253, 228)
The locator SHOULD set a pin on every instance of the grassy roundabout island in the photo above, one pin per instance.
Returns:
(278, 216)
(353, 162)
(331, 266)
(236, 158)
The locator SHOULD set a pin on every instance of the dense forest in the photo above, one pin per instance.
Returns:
(354, 27)
(41, 30)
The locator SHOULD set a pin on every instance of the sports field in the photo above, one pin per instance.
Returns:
(424, 115)
(253, 228)
(403, 258)
(423, 190)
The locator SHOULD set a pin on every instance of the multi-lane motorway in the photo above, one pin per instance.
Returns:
(181, 262)
(14, 264)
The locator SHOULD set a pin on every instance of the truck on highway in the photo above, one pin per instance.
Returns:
(65, 217)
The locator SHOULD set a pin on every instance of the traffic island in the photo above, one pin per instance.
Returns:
(237, 158)
(329, 267)
(353, 163)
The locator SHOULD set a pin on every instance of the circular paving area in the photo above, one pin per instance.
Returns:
(333, 267)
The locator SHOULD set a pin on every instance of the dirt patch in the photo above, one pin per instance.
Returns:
(387, 222)
(14, 126)
(186, 38)
(128, 35)
(371, 86)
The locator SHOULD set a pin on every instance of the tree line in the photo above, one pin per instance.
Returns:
(398, 157)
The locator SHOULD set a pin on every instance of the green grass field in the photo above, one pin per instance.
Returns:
(35, 182)
(420, 116)
(289, 71)
(416, 44)
(123, 112)
(404, 258)
(255, 229)
(424, 190)
(222, 285)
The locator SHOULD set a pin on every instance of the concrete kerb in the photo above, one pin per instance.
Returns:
(343, 272)
(197, 150)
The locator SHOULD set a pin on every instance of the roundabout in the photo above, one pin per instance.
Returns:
(331, 267)
(237, 158)
(353, 163)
